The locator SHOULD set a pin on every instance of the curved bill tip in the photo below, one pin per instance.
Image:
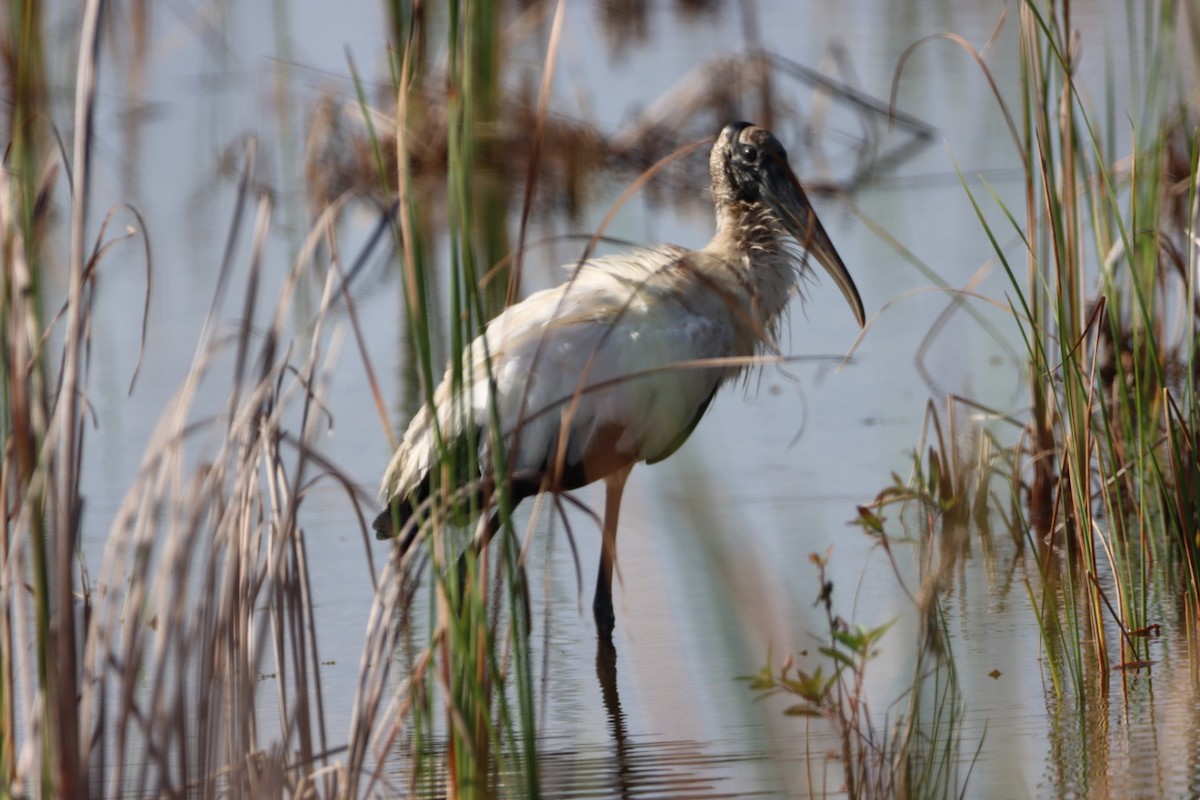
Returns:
(829, 258)
(801, 221)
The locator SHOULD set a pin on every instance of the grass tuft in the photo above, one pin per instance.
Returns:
(1105, 309)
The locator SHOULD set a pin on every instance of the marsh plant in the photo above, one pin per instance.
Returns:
(1106, 309)
(1096, 480)
(1101, 285)
(912, 750)
(153, 675)
(186, 662)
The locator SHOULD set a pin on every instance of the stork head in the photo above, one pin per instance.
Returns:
(750, 167)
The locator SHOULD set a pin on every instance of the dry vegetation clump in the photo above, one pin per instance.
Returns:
(350, 145)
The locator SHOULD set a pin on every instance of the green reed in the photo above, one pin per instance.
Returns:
(479, 650)
(1101, 363)
(1103, 466)
(39, 472)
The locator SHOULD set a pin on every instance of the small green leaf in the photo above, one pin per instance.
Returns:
(869, 520)
(838, 656)
(855, 641)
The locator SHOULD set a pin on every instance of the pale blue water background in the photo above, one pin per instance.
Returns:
(714, 543)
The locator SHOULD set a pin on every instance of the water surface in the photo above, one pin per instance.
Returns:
(715, 542)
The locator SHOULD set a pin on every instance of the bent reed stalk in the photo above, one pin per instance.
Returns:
(204, 587)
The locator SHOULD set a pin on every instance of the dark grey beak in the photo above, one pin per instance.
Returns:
(791, 204)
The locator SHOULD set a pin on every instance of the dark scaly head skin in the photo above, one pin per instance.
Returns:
(750, 167)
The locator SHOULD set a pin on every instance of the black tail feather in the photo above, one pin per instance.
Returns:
(403, 518)
(398, 518)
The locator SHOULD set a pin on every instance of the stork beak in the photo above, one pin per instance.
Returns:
(788, 200)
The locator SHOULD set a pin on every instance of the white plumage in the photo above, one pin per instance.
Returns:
(598, 374)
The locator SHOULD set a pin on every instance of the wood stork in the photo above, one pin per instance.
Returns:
(619, 364)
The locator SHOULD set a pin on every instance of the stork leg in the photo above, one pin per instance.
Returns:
(602, 607)
(483, 536)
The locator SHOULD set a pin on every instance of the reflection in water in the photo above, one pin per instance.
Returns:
(645, 766)
(627, 766)
(606, 674)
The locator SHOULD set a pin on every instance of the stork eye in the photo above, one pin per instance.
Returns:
(749, 153)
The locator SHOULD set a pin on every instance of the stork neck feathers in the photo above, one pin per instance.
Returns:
(750, 227)
(754, 251)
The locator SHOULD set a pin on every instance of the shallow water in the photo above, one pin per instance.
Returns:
(714, 543)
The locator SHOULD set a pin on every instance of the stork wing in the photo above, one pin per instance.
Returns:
(592, 359)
